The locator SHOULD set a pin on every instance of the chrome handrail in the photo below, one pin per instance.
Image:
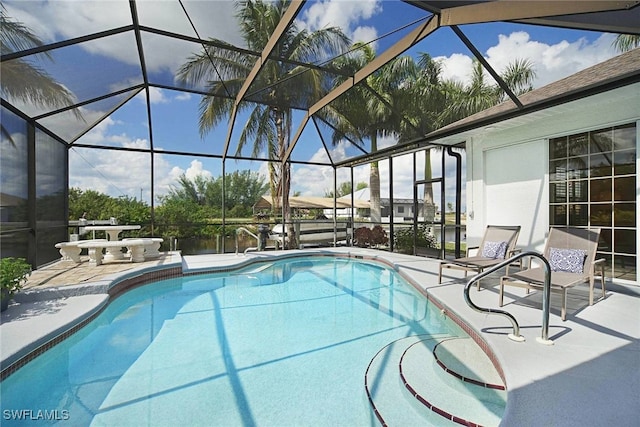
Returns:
(546, 296)
(240, 230)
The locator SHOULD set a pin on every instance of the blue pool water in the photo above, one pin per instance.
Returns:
(274, 344)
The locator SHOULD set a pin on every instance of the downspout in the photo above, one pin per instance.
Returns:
(458, 224)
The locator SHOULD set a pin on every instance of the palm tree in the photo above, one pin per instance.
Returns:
(23, 80)
(224, 71)
(427, 101)
(370, 109)
(465, 100)
(626, 42)
(438, 103)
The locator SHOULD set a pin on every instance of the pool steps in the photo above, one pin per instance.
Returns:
(439, 380)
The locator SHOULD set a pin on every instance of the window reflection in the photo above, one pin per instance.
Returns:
(625, 267)
(592, 183)
(624, 214)
(601, 190)
(578, 144)
(625, 162)
(624, 189)
(578, 191)
(578, 214)
(601, 164)
(601, 215)
(558, 192)
(625, 241)
(558, 215)
(558, 170)
(601, 142)
(578, 167)
(624, 137)
(605, 244)
(558, 148)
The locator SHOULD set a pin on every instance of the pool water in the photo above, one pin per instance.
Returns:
(274, 344)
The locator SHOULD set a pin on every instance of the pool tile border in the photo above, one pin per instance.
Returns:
(117, 288)
(475, 335)
(122, 285)
(47, 345)
(462, 377)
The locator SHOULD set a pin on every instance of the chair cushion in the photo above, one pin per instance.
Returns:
(569, 260)
(494, 250)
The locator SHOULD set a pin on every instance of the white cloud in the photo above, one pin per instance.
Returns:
(129, 172)
(551, 62)
(156, 96)
(311, 180)
(364, 34)
(196, 170)
(456, 67)
(184, 96)
(344, 14)
(317, 180)
(387, 141)
(58, 20)
(167, 175)
(116, 173)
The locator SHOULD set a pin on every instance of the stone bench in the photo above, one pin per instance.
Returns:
(151, 247)
(70, 250)
(135, 248)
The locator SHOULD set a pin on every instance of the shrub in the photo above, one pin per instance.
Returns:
(368, 237)
(13, 273)
(403, 239)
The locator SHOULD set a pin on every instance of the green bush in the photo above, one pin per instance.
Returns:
(13, 274)
(403, 239)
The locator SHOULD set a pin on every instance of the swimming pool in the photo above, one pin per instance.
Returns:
(276, 343)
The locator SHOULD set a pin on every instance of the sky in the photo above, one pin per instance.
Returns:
(555, 53)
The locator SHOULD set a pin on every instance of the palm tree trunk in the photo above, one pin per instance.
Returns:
(285, 174)
(429, 206)
(374, 184)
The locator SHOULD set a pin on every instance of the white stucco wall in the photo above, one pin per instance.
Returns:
(507, 164)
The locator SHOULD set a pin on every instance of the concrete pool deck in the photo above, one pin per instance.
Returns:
(590, 376)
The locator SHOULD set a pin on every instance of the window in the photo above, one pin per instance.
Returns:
(592, 184)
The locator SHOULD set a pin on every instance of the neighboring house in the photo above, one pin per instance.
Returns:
(402, 207)
(567, 156)
(307, 203)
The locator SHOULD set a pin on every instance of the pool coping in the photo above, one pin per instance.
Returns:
(54, 313)
(544, 383)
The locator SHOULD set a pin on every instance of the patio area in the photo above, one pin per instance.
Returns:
(588, 377)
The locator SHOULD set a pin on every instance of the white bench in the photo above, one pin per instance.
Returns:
(151, 247)
(135, 248)
(70, 250)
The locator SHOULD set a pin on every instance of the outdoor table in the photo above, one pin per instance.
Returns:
(113, 233)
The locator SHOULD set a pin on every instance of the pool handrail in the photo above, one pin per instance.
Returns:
(546, 296)
(241, 230)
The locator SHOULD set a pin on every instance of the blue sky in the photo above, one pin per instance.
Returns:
(555, 53)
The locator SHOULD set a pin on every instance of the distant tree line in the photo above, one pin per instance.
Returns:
(192, 208)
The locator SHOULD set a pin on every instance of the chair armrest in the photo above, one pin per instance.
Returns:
(599, 263)
(513, 252)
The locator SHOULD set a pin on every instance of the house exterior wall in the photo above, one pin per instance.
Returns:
(507, 164)
(405, 210)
